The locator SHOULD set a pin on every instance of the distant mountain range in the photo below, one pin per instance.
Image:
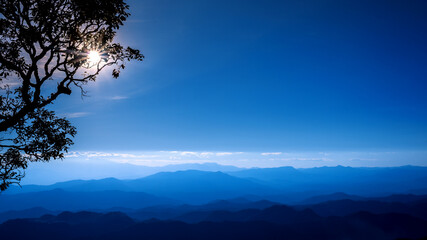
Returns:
(42, 173)
(285, 184)
(189, 186)
(59, 199)
(359, 181)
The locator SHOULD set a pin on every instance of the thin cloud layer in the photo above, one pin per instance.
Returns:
(255, 159)
(271, 153)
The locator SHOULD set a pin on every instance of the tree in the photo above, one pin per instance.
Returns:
(65, 42)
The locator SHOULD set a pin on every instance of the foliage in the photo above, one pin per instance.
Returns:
(44, 42)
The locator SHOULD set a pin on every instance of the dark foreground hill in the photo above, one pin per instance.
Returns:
(275, 214)
(268, 224)
(346, 206)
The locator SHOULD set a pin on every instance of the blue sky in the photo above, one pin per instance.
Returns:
(299, 76)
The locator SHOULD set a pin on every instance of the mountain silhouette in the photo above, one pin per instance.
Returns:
(372, 181)
(284, 184)
(275, 214)
(191, 186)
(331, 197)
(59, 199)
(272, 223)
(26, 213)
(43, 174)
(197, 186)
(345, 207)
(174, 211)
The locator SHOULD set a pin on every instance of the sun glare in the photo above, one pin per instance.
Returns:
(93, 57)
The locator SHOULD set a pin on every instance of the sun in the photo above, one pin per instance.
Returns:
(93, 57)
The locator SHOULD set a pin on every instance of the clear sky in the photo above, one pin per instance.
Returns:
(264, 76)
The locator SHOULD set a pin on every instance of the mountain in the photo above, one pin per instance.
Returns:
(191, 186)
(59, 199)
(85, 217)
(172, 212)
(374, 181)
(197, 186)
(279, 174)
(143, 206)
(400, 198)
(345, 207)
(276, 214)
(236, 204)
(331, 197)
(60, 171)
(66, 225)
(26, 213)
(357, 227)
(106, 184)
(285, 184)
(277, 222)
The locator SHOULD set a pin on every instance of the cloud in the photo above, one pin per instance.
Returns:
(206, 154)
(119, 97)
(271, 153)
(159, 157)
(76, 114)
(110, 155)
(203, 154)
(224, 153)
(304, 159)
(362, 159)
(194, 154)
(189, 154)
(252, 159)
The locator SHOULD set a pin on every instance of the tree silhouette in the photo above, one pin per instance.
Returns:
(45, 43)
